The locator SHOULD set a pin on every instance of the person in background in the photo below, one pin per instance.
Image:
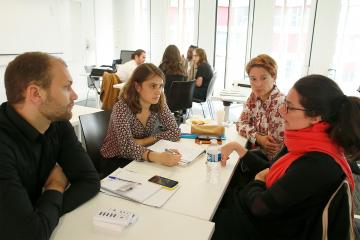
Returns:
(285, 200)
(125, 70)
(188, 63)
(44, 170)
(203, 75)
(172, 67)
(260, 121)
(136, 117)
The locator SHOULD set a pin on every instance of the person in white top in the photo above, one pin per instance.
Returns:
(125, 70)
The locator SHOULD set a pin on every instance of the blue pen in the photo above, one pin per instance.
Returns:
(121, 179)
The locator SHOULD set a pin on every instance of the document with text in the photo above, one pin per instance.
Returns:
(135, 186)
(189, 153)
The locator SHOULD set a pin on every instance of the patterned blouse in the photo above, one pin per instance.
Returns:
(262, 117)
(124, 127)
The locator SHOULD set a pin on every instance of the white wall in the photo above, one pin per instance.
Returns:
(207, 17)
(263, 22)
(94, 32)
(323, 48)
(104, 31)
(72, 34)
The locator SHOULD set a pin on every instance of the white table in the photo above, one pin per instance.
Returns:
(195, 197)
(76, 112)
(228, 96)
(153, 223)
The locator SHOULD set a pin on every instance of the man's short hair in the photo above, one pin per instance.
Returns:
(193, 46)
(25, 69)
(138, 53)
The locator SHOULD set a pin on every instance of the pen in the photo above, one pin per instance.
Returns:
(121, 179)
(171, 151)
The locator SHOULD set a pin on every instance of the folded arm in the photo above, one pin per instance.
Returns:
(20, 218)
(79, 169)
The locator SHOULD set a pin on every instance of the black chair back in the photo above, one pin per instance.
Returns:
(94, 127)
(181, 95)
(337, 215)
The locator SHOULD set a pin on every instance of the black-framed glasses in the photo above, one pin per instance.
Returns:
(285, 105)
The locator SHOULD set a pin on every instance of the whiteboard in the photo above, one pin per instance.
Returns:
(30, 26)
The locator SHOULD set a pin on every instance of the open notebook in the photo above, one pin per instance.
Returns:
(189, 153)
(136, 187)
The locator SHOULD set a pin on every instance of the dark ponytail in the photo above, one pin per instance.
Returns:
(346, 130)
(321, 96)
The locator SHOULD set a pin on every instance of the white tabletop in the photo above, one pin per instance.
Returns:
(195, 197)
(234, 94)
(153, 223)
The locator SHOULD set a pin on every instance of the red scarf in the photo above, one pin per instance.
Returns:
(300, 142)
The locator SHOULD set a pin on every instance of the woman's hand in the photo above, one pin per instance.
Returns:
(165, 158)
(268, 143)
(227, 149)
(261, 176)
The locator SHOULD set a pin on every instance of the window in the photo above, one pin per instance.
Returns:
(289, 39)
(231, 41)
(279, 28)
(182, 19)
(346, 64)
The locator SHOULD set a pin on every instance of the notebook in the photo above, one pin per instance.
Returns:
(141, 190)
(189, 153)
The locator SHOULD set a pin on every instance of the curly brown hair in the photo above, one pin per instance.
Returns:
(264, 61)
(142, 73)
(28, 68)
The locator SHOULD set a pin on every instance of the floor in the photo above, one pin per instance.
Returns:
(235, 109)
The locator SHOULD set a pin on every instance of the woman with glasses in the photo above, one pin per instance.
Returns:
(204, 73)
(286, 200)
(260, 121)
(136, 119)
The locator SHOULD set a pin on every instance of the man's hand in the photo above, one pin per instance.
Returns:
(56, 180)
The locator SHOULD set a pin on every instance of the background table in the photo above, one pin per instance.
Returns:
(231, 95)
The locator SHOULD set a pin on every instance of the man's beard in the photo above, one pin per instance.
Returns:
(53, 112)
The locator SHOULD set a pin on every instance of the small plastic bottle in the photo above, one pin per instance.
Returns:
(213, 162)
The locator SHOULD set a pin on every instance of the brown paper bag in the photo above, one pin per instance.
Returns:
(213, 130)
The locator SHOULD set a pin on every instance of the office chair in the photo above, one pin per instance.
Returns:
(114, 63)
(94, 127)
(92, 81)
(209, 93)
(180, 98)
(125, 55)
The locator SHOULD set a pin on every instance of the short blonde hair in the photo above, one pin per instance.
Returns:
(264, 61)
